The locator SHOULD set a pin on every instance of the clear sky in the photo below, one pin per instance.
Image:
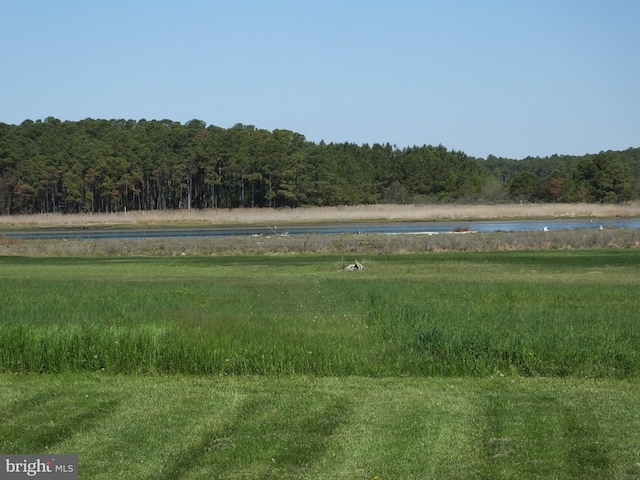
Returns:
(511, 78)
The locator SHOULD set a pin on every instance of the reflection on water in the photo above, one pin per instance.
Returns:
(414, 228)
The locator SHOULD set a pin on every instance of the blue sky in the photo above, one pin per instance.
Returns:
(509, 78)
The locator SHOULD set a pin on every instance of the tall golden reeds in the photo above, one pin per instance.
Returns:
(359, 213)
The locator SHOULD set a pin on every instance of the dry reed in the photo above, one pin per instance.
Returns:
(247, 216)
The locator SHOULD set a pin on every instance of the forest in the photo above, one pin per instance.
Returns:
(97, 165)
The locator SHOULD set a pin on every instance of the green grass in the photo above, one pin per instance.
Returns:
(301, 427)
(531, 314)
(423, 366)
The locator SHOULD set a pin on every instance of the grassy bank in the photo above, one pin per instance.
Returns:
(559, 313)
(299, 427)
(347, 244)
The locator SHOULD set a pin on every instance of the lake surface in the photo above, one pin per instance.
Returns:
(399, 228)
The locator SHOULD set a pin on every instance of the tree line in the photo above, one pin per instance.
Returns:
(96, 165)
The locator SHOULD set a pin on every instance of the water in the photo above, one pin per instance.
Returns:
(414, 228)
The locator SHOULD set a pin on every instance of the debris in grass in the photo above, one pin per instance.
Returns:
(353, 267)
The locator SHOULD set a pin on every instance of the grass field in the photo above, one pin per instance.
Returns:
(545, 313)
(432, 365)
(306, 427)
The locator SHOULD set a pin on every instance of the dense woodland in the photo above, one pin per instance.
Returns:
(116, 165)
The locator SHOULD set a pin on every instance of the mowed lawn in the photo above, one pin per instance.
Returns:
(183, 426)
(452, 365)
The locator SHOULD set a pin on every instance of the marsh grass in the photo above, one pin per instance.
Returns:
(562, 313)
(263, 216)
(346, 244)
